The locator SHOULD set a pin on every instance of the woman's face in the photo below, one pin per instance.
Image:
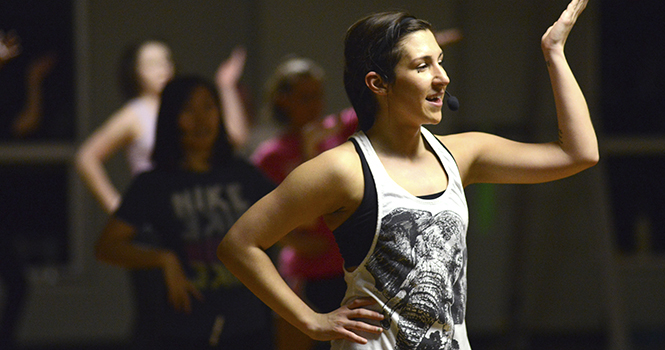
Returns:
(199, 121)
(304, 102)
(420, 80)
(154, 66)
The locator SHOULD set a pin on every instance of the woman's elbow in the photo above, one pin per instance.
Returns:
(592, 157)
(234, 247)
(595, 159)
(587, 160)
(80, 160)
(84, 160)
(225, 248)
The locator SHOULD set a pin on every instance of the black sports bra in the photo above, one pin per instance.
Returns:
(355, 235)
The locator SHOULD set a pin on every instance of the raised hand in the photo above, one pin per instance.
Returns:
(235, 116)
(315, 132)
(448, 37)
(9, 46)
(30, 117)
(556, 35)
(230, 71)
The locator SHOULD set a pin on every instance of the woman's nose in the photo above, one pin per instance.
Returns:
(441, 77)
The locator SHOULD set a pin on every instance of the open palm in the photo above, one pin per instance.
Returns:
(556, 35)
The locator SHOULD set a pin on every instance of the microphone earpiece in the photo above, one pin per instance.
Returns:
(452, 101)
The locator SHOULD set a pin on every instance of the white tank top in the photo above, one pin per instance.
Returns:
(139, 152)
(416, 266)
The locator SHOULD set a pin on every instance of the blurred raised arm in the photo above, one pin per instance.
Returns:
(234, 112)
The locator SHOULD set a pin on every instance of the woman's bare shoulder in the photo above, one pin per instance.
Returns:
(460, 142)
(465, 148)
(125, 116)
(345, 179)
(342, 158)
(336, 165)
(326, 184)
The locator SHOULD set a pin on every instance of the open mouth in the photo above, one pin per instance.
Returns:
(435, 98)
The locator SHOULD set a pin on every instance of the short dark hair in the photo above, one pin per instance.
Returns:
(168, 152)
(372, 44)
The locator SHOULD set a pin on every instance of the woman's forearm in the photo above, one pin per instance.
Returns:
(253, 267)
(92, 172)
(133, 256)
(235, 115)
(577, 137)
(115, 246)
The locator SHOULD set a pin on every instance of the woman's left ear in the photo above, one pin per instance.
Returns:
(376, 83)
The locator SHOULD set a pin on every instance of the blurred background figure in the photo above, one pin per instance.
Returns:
(27, 119)
(12, 263)
(144, 70)
(309, 258)
(37, 86)
(172, 218)
(12, 270)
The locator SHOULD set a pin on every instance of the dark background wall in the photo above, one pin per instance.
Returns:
(539, 255)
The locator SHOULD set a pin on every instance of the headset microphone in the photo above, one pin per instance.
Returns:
(453, 102)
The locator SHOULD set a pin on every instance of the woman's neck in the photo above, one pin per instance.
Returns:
(396, 140)
(150, 97)
(198, 162)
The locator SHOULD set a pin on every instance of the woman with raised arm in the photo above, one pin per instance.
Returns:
(171, 220)
(144, 70)
(394, 194)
